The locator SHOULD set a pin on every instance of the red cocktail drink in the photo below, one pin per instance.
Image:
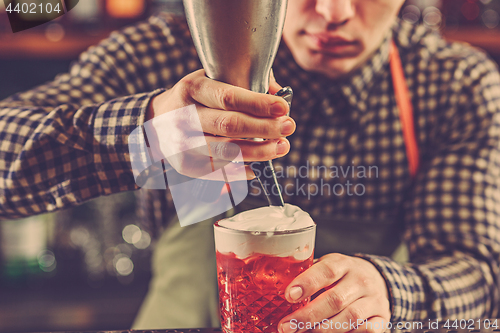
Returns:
(254, 269)
(251, 291)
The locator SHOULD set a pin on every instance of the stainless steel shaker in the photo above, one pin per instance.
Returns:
(237, 42)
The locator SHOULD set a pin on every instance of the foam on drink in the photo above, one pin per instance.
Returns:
(270, 218)
(270, 224)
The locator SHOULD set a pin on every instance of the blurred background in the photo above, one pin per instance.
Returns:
(88, 268)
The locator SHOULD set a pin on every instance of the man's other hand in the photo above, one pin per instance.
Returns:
(355, 293)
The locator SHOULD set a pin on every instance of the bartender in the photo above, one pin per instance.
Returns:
(371, 91)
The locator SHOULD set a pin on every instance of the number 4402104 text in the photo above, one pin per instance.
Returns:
(33, 8)
(471, 324)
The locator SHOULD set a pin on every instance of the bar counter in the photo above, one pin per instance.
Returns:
(424, 329)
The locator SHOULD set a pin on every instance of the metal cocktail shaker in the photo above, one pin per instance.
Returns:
(237, 42)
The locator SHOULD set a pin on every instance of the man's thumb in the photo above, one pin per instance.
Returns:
(274, 87)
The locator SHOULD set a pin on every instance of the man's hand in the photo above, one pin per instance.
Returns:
(227, 114)
(356, 292)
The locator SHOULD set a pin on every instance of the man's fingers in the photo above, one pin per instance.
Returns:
(222, 96)
(232, 173)
(234, 124)
(330, 302)
(375, 324)
(351, 319)
(202, 155)
(226, 149)
(357, 313)
(328, 270)
(223, 150)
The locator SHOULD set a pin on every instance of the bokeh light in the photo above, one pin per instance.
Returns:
(79, 237)
(490, 18)
(470, 10)
(144, 241)
(131, 233)
(54, 32)
(47, 261)
(123, 265)
(411, 14)
(432, 17)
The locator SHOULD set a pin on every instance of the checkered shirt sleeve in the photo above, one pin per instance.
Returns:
(66, 141)
(452, 212)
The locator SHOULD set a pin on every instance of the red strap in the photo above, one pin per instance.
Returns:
(405, 109)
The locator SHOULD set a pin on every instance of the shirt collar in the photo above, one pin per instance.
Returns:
(356, 88)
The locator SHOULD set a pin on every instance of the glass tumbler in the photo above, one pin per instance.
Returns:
(254, 268)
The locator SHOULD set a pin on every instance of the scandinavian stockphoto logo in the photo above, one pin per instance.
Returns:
(27, 14)
(206, 176)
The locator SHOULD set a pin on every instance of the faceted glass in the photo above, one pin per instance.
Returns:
(252, 285)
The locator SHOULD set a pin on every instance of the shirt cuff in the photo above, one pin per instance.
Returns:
(405, 286)
(113, 123)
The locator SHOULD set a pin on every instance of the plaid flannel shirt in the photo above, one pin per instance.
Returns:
(65, 142)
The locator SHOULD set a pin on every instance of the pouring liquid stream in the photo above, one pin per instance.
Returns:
(265, 172)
